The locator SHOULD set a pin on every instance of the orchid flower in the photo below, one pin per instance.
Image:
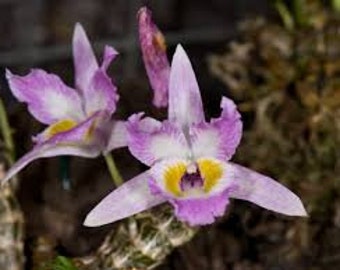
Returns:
(79, 120)
(189, 160)
(154, 56)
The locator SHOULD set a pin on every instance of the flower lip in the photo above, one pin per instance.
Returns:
(181, 179)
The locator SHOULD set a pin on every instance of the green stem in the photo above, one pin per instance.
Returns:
(301, 17)
(285, 14)
(336, 5)
(6, 133)
(114, 172)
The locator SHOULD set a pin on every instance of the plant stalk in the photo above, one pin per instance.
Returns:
(285, 14)
(336, 5)
(114, 172)
(6, 133)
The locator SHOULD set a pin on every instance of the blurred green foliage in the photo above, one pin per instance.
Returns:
(60, 263)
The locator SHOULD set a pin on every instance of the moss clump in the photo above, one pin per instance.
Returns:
(287, 83)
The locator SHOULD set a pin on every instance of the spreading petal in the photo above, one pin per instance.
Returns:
(101, 94)
(185, 104)
(48, 150)
(201, 211)
(265, 192)
(150, 140)
(221, 137)
(82, 140)
(85, 62)
(117, 136)
(154, 56)
(131, 198)
(49, 99)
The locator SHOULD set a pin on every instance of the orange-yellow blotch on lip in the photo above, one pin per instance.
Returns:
(211, 172)
(172, 178)
(59, 127)
(159, 41)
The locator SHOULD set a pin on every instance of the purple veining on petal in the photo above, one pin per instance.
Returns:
(154, 56)
(150, 140)
(229, 125)
(221, 136)
(49, 99)
(101, 94)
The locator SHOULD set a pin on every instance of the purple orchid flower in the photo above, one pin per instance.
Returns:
(154, 56)
(79, 119)
(189, 160)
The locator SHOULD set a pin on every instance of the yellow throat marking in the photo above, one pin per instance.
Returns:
(172, 177)
(210, 170)
(60, 126)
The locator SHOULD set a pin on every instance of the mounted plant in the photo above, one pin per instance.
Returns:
(285, 78)
(11, 217)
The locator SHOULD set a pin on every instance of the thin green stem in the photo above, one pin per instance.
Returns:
(336, 5)
(300, 15)
(114, 172)
(285, 14)
(6, 133)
